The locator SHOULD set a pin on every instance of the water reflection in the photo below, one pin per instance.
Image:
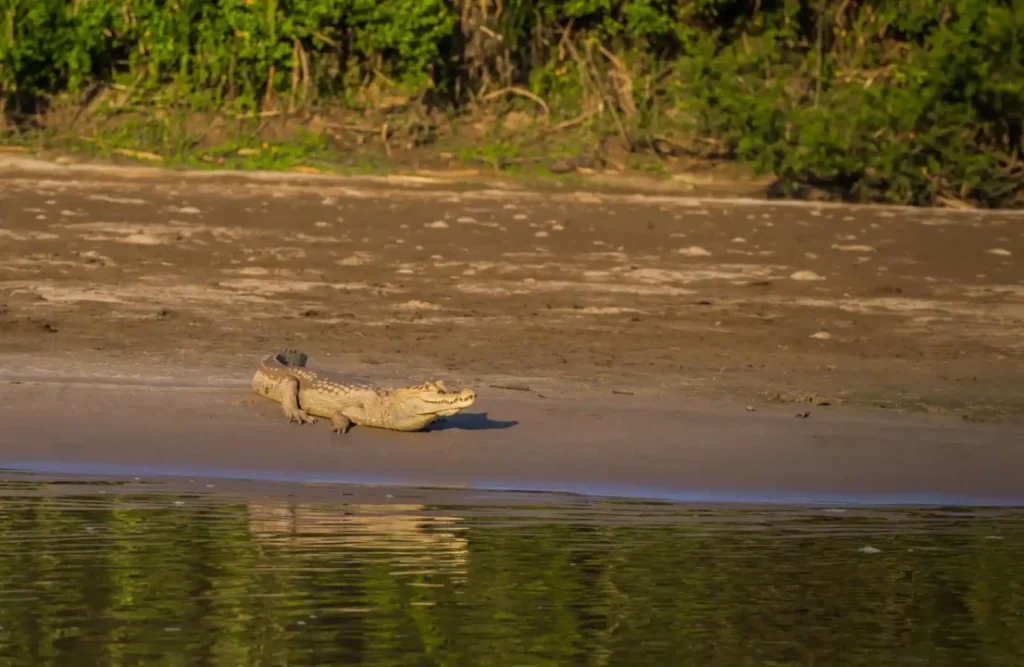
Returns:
(128, 574)
(407, 534)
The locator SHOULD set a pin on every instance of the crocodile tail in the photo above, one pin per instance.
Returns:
(291, 357)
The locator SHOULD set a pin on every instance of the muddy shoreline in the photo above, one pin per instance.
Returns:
(660, 449)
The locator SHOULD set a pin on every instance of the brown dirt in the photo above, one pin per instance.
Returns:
(678, 297)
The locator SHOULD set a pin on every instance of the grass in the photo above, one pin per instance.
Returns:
(527, 153)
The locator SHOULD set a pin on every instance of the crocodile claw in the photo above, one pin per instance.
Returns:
(300, 417)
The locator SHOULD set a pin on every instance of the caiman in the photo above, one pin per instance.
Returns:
(305, 395)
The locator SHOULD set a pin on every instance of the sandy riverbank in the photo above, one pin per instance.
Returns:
(815, 306)
(636, 330)
(110, 419)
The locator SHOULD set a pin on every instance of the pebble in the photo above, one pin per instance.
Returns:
(694, 251)
(853, 248)
(805, 275)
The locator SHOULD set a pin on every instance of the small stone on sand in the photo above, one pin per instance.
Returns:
(853, 248)
(694, 251)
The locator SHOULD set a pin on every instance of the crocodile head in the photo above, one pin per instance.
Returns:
(433, 399)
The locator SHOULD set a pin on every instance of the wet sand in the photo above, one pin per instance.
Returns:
(661, 449)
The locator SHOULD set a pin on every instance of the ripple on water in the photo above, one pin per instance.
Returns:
(114, 572)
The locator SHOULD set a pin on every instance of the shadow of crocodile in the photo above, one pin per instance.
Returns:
(473, 421)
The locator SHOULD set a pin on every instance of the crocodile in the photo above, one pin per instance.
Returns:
(305, 394)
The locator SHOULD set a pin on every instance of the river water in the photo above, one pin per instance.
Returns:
(196, 572)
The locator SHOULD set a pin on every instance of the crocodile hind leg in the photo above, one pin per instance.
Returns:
(288, 390)
(340, 423)
(343, 419)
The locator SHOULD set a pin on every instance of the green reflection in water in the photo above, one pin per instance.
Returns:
(129, 575)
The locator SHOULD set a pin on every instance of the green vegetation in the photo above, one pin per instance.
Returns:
(911, 102)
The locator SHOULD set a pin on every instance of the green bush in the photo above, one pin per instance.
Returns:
(889, 100)
(231, 50)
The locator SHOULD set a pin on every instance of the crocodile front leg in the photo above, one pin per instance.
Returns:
(288, 390)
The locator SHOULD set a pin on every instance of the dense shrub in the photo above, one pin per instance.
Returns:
(888, 100)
